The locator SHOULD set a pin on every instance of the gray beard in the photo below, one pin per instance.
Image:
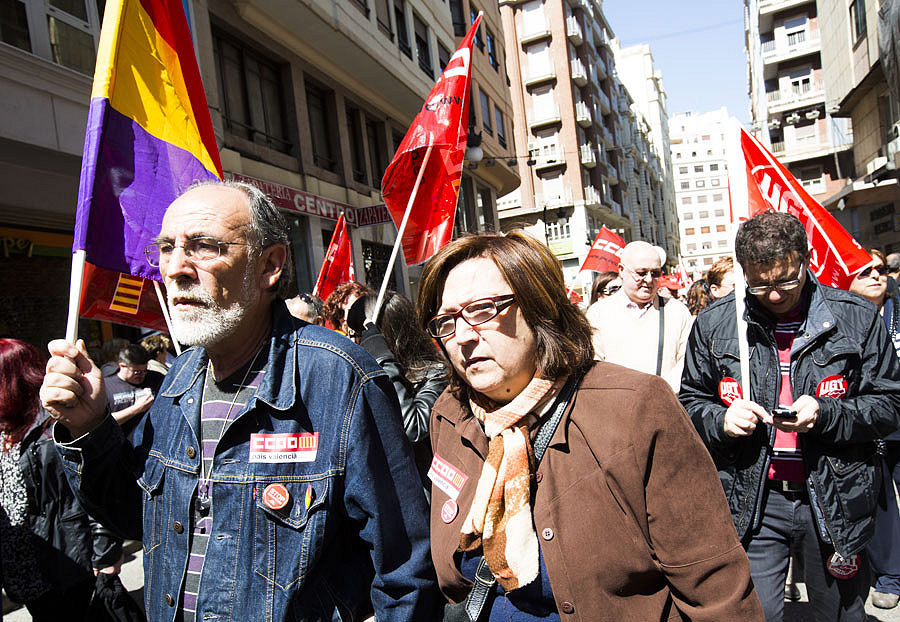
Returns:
(210, 324)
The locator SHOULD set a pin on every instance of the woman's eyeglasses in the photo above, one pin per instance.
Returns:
(474, 313)
(881, 269)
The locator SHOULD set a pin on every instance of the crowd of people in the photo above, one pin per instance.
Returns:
(488, 452)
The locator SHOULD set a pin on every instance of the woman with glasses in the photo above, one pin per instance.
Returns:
(605, 284)
(884, 549)
(568, 487)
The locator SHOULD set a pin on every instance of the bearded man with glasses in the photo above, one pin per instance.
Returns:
(634, 326)
(797, 457)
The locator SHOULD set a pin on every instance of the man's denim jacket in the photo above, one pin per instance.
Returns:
(353, 537)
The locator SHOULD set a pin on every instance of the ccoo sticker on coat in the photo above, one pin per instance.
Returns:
(729, 390)
(446, 477)
(287, 447)
(832, 386)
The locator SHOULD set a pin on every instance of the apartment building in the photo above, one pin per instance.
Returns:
(635, 68)
(569, 128)
(788, 95)
(869, 205)
(701, 187)
(308, 101)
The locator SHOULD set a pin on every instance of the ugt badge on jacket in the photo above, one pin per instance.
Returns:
(832, 386)
(729, 390)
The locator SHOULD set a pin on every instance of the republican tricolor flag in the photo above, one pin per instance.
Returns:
(149, 137)
(436, 140)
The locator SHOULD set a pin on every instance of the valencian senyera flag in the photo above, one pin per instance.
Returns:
(149, 134)
(442, 124)
(758, 182)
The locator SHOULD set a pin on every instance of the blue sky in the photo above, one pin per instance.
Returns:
(697, 44)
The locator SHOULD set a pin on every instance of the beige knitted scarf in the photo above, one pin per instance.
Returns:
(500, 517)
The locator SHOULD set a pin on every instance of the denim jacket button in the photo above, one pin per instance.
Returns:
(177, 527)
(169, 600)
(191, 452)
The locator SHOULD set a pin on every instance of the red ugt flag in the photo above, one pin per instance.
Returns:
(761, 183)
(604, 253)
(338, 265)
(442, 123)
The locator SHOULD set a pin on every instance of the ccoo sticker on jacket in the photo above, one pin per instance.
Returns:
(446, 477)
(286, 447)
(832, 386)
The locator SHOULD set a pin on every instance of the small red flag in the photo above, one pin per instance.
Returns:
(338, 265)
(115, 297)
(604, 253)
(763, 183)
(443, 124)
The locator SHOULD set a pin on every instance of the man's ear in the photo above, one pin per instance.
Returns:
(272, 264)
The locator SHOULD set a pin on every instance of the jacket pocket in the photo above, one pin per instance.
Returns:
(288, 540)
(154, 509)
(852, 474)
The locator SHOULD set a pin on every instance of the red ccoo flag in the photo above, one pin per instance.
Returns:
(442, 125)
(758, 182)
(604, 253)
(338, 265)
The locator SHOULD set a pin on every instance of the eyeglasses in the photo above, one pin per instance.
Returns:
(642, 274)
(200, 249)
(609, 291)
(882, 270)
(474, 313)
(784, 286)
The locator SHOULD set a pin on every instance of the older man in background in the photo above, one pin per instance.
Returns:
(637, 328)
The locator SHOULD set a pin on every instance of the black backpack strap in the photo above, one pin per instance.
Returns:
(662, 335)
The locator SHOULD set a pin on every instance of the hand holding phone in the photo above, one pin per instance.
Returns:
(782, 413)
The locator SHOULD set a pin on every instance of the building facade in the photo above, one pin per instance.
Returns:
(701, 187)
(787, 91)
(308, 100)
(869, 205)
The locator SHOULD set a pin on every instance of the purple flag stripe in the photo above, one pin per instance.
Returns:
(128, 179)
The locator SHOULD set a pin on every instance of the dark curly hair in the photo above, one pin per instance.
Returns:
(768, 237)
(698, 296)
(333, 308)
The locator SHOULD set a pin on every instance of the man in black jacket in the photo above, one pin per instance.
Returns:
(797, 456)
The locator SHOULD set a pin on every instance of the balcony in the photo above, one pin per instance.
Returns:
(601, 67)
(795, 45)
(613, 205)
(539, 76)
(534, 35)
(591, 196)
(607, 136)
(604, 102)
(588, 156)
(544, 118)
(547, 156)
(612, 175)
(563, 199)
(579, 73)
(800, 95)
(778, 147)
(582, 114)
(772, 6)
(573, 30)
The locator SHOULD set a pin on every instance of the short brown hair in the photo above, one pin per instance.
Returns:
(561, 331)
(718, 270)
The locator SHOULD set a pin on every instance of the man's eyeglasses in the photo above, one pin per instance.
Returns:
(784, 286)
(641, 274)
(474, 313)
(882, 270)
(201, 249)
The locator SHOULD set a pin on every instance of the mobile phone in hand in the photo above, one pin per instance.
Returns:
(784, 414)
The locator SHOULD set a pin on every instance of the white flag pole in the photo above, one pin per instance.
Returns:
(740, 205)
(412, 198)
(165, 312)
(78, 261)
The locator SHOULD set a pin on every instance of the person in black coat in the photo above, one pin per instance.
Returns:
(50, 548)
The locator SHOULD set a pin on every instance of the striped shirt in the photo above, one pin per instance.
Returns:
(787, 459)
(222, 402)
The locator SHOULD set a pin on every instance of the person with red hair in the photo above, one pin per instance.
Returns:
(47, 547)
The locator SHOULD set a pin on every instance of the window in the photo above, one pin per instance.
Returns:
(704, 214)
(720, 228)
(443, 56)
(486, 113)
(677, 155)
(706, 246)
(702, 199)
(687, 201)
(700, 183)
(721, 243)
(458, 17)
(687, 216)
(493, 59)
(383, 17)
(714, 181)
(692, 246)
(375, 261)
(698, 168)
(805, 133)
(685, 185)
(423, 50)
(707, 261)
(251, 93)
(14, 24)
(479, 40)
(683, 170)
(704, 229)
(801, 84)
(377, 155)
(858, 19)
(320, 104)
(402, 32)
(357, 149)
(362, 5)
(501, 128)
(713, 167)
(705, 138)
(689, 231)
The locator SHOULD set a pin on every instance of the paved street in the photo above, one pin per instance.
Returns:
(133, 578)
